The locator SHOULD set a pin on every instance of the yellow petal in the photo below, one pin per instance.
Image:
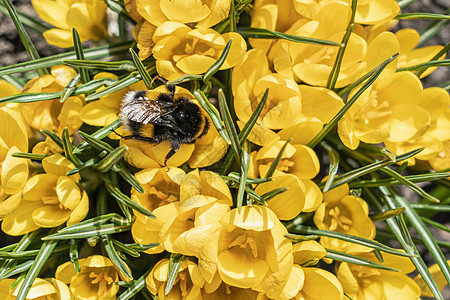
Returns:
(7, 89)
(186, 11)
(49, 216)
(65, 272)
(238, 269)
(14, 173)
(408, 123)
(12, 129)
(308, 252)
(320, 284)
(20, 221)
(53, 12)
(397, 285)
(376, 11)
(40, 186)
(9, 205)
(219, 12)
(195, 64)
(381, 48)
(59, 37)
(302, 132)
(313, 196)
(288, 204)
(257, 218)
(97, 113)
(80, 212)
(58, 165)
(237, 49)
(438, 278)
(320, 103)
(260, 135)
(68, 192)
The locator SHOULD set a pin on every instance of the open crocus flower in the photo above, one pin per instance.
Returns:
(204, 13)
(49, 199)
(95, 280)
(161, 188)
(87, 17)
(14, 170)
(181, 50)
(40, 289)
(436, 102)
(188, 282)
(360, 282)
(347, 214)
(252, 250)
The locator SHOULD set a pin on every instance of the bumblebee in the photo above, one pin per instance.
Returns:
(176, 120)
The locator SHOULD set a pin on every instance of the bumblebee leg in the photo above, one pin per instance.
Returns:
(176, 144)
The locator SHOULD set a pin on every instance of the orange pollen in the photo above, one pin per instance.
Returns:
(103, 280)
(243, 240)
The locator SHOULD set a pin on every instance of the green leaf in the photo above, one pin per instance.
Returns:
(410, 184)
(174, 267)
(438, 55)
(44, 254)
(334, 73)
(347, 238)
(213, 114)
(21, 268)
(111, 159)
(114, 256)
(186, 78)
(97, 136)
(54, 137)
(394, 201)
(24, 242)
(252, 121)
(70, 88)
(96, 221)
(50, 61)
(88, 232)
(273, 193)
(327, 128)
(435, 224)
(124, 199)
(32, 156)
(404, 3)
(116, 86)
(73, 255)
(393, 181)
(229, 125)
(233, 21)
(128, 177)
(427, 16)
(276, 161)
(262, 33)
(119, 8)
(428, 64)
(142, 70)
(68, 150)
(84, 74)
(245, 164)
(382, 216)
(218, 64)
(112, 66)
(352, 175)
(333, 155)
(85, 165)
(26, 41)
(134, 287)
(432, 29)
(125, 248)
(237, 178)
(432, 207)
(352, 259)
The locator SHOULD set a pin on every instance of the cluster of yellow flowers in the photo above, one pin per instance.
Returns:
(228, 251)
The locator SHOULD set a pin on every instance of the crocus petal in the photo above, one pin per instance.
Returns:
(195, 64)
(58, 165)
(14, 173)
(237, 49)
(12, 129)
(49, 216)
(320, 103)
(52, 12)
(98, 114)
(186, 11)
(257, 218)
(218, 13)
(68, 192)
(302, 132)
(40, 186)
(376, 11)
(9, 205)
(80, 212)
(241, 270)
(288, 204)
(59, 37)
(308, 252)
(20, 221)
(320, 284)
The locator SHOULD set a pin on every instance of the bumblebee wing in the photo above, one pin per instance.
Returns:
(169, 122)
(137, 107)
